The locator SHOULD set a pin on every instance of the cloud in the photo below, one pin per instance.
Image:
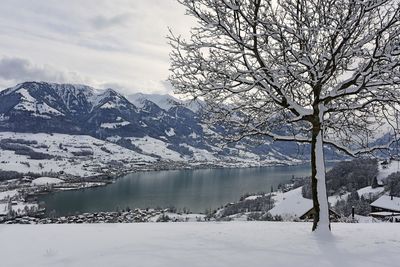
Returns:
(19, 69)
(103, 22)
(121, 43)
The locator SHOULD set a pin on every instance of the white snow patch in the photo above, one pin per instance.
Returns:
(170, 132)
(108, 105)
(253, 197)
(193, 135)
(46, 181)
(114, 125)
(29, 103)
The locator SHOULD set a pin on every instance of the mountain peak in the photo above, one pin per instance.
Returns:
(164, 101)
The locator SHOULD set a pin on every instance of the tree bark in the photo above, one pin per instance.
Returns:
(318, 183)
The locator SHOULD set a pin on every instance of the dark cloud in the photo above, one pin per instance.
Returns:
(20, 69)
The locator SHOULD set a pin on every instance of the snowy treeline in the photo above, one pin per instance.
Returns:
(347, 176)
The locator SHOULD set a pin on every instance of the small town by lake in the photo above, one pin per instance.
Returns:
(196, 190)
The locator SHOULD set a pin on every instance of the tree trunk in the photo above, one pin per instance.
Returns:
(318, 183)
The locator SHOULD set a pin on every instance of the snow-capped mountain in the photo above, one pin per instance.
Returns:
(164, 101)
(156, 125)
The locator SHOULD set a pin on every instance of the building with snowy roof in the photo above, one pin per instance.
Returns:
(386, 207)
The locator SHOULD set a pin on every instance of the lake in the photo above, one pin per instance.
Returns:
(196, 190)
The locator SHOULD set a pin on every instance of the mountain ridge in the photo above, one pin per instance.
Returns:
(127, 121)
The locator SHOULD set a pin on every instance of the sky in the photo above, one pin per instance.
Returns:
(119, 44)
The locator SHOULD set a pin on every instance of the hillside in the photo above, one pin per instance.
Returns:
(144, 128)
(200, 244)
(158, 126)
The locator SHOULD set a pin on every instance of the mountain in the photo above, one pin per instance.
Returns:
(164, 101)
(160, 126)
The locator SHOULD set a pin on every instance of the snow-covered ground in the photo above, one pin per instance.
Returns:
(157, 147)
(19, 206)
(367, 192)
(62, 147)
(8, 194)
(290, 204)
(46, 181)
(199, 244)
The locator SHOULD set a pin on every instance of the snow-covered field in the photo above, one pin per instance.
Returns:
(155, 146)
(199, 244)
(62, 147)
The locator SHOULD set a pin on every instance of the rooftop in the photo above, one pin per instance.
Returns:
(387, 202)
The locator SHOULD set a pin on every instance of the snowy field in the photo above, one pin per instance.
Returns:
(61, 147)
(199, 244)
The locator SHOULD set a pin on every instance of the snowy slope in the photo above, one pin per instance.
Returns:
(291, 204)
(367, 192)
(199, 244)
(156, 147)
(163, 101)
(41, 107)
(64, 150)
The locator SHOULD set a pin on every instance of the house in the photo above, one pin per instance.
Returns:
(386, 207)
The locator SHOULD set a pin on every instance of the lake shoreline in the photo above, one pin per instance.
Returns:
(104, 180)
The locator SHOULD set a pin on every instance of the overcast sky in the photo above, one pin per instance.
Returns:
(102, 43)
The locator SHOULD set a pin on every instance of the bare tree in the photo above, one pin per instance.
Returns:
(318, 72)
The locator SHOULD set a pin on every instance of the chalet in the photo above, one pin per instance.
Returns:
(386, 207)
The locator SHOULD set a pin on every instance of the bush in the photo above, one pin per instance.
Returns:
(8, 175)
(82, 153)
(163, 218)
(20, 149)
(105, 150)
(19, 141)
(263, 216)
